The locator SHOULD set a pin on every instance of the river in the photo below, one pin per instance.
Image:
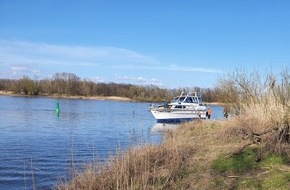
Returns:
(38, 147)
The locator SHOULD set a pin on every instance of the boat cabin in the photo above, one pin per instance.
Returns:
(193, 99)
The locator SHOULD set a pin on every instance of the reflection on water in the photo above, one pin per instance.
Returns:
(161, 127)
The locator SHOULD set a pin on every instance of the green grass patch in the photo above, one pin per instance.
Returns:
(274, 160)
(270, 173)
(277, 179)
(247, 161)
(250, 183)
(237, 163)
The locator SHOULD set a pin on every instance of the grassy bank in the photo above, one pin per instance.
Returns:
(198, 155)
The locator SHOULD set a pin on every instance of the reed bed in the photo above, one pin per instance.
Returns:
(192, 157)
(262, 107)
(149, 167)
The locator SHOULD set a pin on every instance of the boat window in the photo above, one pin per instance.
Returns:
(195, 100)
(177, 100)
(181, 99)
(178, 106)
(174, 100)
(188, 100)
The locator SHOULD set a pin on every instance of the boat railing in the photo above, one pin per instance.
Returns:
(192, 94)
(178, 100)
(179, 97)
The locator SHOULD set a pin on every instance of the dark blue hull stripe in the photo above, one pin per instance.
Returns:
(175, 120)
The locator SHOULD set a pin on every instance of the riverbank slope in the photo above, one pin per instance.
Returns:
(196, 155)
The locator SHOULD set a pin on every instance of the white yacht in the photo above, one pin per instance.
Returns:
(182, 108)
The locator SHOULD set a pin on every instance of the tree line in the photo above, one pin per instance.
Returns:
(71, 85)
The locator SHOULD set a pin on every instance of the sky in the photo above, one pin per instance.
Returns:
(167, 43)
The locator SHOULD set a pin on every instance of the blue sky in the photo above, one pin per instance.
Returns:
(168, 43)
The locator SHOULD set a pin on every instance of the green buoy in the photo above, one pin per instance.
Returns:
(57, 109)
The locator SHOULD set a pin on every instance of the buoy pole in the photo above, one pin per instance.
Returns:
(57, 109)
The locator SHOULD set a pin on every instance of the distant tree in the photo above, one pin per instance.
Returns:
(6, 84)
(71, 84)
(26, 86)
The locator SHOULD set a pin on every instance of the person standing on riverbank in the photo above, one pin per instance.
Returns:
(209, 112)
(226, 113)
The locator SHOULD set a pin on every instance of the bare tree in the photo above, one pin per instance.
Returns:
(261, 105)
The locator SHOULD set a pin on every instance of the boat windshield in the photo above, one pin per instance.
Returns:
(188, 100)
(194, 100)
(177, 100)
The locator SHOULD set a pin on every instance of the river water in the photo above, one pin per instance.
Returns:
(38, 146)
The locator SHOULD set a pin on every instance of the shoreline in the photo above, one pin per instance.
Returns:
(110, 98)
(64, 96)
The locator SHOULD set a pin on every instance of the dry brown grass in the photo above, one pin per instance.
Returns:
(181, 162)
(153, 166)
(262, 105)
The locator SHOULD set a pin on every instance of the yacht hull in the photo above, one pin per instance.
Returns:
(177, 116)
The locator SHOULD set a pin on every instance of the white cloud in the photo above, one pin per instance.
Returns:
(26, 52)
(179, 68)
(19, 57)
(29, 58)
(23, 69)
(191, 69)
(37, 54)
(98, 79)
(19, 69)
(138, 80)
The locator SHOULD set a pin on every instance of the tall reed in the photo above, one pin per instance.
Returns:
(260, 104)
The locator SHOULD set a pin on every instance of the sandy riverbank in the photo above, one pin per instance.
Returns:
(113, 98)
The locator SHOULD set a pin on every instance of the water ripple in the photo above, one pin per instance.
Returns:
(38, 147)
